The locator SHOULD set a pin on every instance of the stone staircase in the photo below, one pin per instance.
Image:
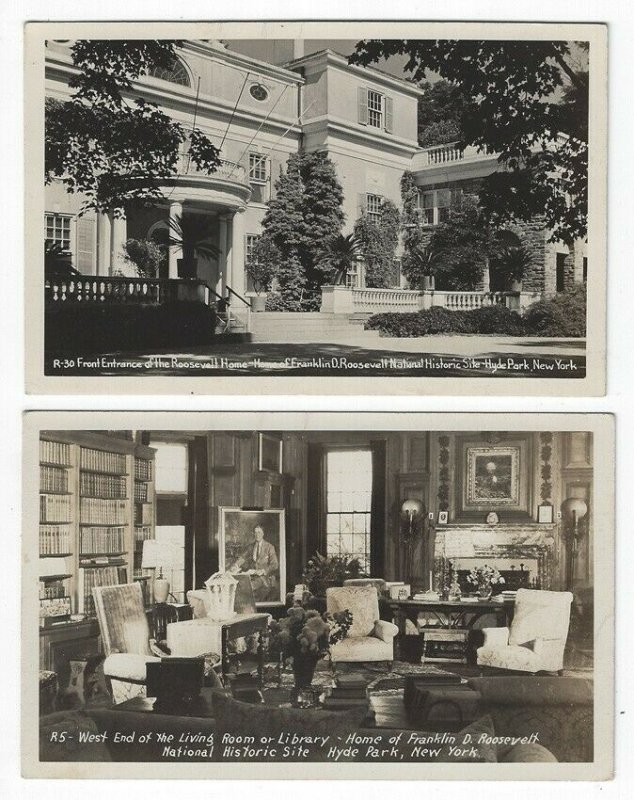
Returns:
(316, 327)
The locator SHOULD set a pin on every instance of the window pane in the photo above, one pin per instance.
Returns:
(171, 467)
(349, 497)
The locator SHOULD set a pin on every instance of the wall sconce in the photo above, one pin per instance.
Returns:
(411, 511)
(573, 510)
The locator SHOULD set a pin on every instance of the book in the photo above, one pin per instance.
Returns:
(353, 680)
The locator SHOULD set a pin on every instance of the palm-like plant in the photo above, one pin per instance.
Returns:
(191, 234)
(341, 254)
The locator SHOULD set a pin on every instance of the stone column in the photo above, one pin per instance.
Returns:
(235, 274)
(224, 255)
(119, 236)
(104, 244)
(175, 251)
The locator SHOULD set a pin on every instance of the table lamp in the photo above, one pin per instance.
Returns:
(150, 559)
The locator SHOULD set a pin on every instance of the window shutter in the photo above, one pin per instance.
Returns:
(363, 203)
(85, 252)
(363, 105)
(389, 114)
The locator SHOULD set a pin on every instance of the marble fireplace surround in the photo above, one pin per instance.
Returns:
(502, 546)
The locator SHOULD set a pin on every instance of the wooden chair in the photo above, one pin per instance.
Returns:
(125, 634)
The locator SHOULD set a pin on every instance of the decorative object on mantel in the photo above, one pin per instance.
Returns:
(573, 511)
(484, 579)
(545, 514)
(443, 517)
(301, 639)
(221, 596)
(492, 518)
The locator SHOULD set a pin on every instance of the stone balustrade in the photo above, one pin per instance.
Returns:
(466, 301)
(117, 290)
(447, 154)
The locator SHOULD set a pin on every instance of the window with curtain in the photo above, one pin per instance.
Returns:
(349, 504)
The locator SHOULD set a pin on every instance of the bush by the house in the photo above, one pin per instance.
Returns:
(563, 315)
(437, 320)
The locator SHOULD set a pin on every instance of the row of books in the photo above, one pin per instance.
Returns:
(102, 540)
(89, 578)
(88, 562)
(50, 590)
(142, 514)
(142, 469)
(55, 453)
(140, 492)
(55, 508)
(93, 484)
(54, 539)
(97, 511)
(103, 461)
(53, 479)
(143, 532)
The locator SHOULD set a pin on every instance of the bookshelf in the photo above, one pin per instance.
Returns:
(96, 502)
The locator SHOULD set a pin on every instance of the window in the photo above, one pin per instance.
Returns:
(249, 247)
(375, 109)
(258, 171)
(259, 177)
(348, 504)
(57, 230)
(585, 270)
(373, 203)
(435, 205)
(258, 92)
(560, 276)
(176, 74)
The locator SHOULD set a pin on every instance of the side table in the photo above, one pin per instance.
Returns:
(197, 636)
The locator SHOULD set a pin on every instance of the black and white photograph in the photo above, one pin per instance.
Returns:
(252, 542)
(243, 212)
(412, 640)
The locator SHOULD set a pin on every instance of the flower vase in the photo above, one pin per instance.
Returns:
(485, 593)
(303, 671)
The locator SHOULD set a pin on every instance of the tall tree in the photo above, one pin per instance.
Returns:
(109, 145)
(301, 219)
(440, 112)
(513, 93)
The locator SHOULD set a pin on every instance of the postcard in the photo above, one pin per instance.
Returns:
(306, 208)
(383, 598)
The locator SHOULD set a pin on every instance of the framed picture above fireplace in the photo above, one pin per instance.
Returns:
(495, 478)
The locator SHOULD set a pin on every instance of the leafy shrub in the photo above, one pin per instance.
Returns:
(563, 315)
(282, 302)
(496, 319)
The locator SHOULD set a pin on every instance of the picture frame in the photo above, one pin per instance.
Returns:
(545, 514)
(492, 480)
(443, 517)
(237, 541)
(270, 453)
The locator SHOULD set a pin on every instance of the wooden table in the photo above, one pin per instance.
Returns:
(454, 616)
(197, 636)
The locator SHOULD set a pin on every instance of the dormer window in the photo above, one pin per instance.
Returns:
(375, 109)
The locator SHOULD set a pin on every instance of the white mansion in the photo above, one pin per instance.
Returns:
(260, 112)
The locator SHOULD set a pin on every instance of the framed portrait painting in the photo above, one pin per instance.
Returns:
(253, 543)
(493, 477)
(270, 452)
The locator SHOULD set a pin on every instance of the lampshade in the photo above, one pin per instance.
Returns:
(411, 508)
(150, 556)
(574, 505)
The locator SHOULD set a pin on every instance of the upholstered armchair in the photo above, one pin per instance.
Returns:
(125, 634)
(369, 638)
(378, 583)
(537, 637)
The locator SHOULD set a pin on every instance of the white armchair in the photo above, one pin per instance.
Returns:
(369, 638)
(537, 637)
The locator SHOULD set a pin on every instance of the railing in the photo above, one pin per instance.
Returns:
(117, 290)
(449, 153)
(229, 170)
(386, 300)
(244, 317)
(465, 301)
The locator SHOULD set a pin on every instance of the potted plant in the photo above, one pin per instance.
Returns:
(191, 234)
(425, 259)
(303, 637)
(145, 257)
(261, 268)
(510, 265)
(484, 579)
(323, 571)
(342, 253)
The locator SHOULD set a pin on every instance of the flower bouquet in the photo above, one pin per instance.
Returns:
(303, 637)
(483, 579)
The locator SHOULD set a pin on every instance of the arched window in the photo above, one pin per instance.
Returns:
(177, 74)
